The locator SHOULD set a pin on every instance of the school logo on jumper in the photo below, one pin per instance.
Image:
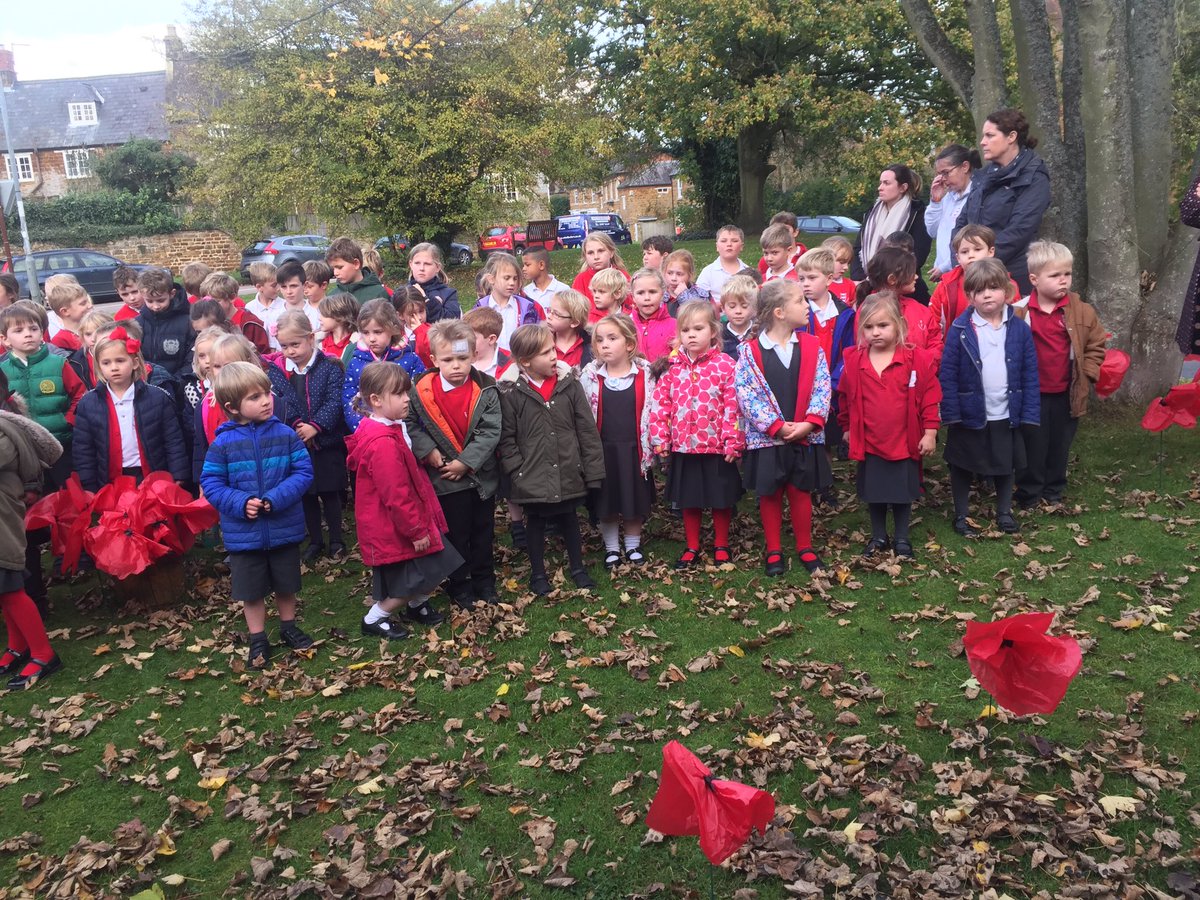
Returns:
(46, 386)
(170, 346)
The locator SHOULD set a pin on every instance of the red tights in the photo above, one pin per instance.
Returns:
(770, 510)
(25, 628)
(691, 527)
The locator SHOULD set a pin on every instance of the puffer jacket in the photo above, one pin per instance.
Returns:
(258, 460)
(655, 334)
(441, 300)
(961, 375)
(429, 431)
(358, 360)
(593, 388)
(167, 335)
(762, 417)
(160, 438)
(49, 386)
(695, 407)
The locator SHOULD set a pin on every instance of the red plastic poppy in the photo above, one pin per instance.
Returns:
(1160, 417)
(691, 801)
(119, 548)
(1022, 667)
(65, 512)
(1112, 372)
(1184, 397)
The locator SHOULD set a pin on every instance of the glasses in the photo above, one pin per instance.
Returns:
(557, 314)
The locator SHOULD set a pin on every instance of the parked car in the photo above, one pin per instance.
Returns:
(93, 269)
(460, 254)
(828, 225)
(573, 229)
(502, 238)
(278, 250)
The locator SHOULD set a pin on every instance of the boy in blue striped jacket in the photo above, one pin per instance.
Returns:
(255, 474)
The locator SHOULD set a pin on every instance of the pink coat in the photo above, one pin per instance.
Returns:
(394, 503)
(656, 333)
(695, 406)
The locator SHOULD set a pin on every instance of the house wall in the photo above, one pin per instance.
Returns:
(172, 251)
(50, 175)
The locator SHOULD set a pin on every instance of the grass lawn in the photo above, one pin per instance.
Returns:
(514, 752)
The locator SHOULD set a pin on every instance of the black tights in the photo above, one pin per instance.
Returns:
(535, 534)
(960, 488)
(901, 513)
(332, 501)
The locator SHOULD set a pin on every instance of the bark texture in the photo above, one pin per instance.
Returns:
(1151, 30)
(987, 82)
(754, 146)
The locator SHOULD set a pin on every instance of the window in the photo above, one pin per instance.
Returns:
(662, 192)
(96, 260)
(82, 113)
(78, 163)
(24, 166)
(498, 184)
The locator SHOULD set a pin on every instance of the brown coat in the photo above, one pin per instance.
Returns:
(26, 451)
(1088, 338)
(551, 451)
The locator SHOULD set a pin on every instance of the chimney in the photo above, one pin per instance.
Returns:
(8, 69)
(173, 50)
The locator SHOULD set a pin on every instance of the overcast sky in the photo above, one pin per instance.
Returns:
(71, 38)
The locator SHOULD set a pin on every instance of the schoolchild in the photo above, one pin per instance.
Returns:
(778, 244)
(540, 283)
(70, 302)
(224, 289)
(655, 250)
(597, 253)
(894, 270)
(730, 242)
(739, 305)
(610, 293)
(345, 257)
(795, 250)
(380, 333)
(504, 272)
(191, 276)
(267, 305)
(567, 318)
(971, 242)
(411, 306)
(843, 253)
(427, 271)
(679, 271)
(487, 325)
(339, 324)
(657, 334)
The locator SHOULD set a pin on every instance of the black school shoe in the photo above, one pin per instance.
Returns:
(313, 553)
(612, 559)
(874, 547)
(582, 579)
(774, 564)
(810, 560)
(386, 628)
(259, 654)
(14, 665)
(539, 585)
(425, 615)
(904, 550)
(291, 635)
(965, 528)
(517, 533)
(45, 670)
(464, 602)
(1006, 523)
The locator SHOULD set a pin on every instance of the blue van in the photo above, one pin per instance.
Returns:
(573, 229)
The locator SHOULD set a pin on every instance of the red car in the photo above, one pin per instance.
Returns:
(502, 238)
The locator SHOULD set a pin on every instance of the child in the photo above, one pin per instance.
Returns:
(597, 253)
(796, 250)
(515, 310)
(783, 390)
(971, 242)
(209, 414)
(832, 323)
(888, 404)
(655, 326)
(427, 271)
(400, 523)
(224, 289)
(610, 292)
(411, 306)
(267, 304)
(70, 302)
(567, 318)
(989, 379)
(125, 426)
(1069, 341)
(346, 259)
(679, 270)
(894, 270)
(550, 448)
(125, 284)
(192, 276)
(82, 360)
(193, 388)
(843, 252)
(454, 421)
(167, 334)
(317, 275)
(10, 289)
(373, 262)
(620, 386)
(290, 280)
(778, 246)
(655, 250)
(339, 324)
(694, 423)
(540, 283)
(730, 241)
(312, 406)
(255, 474)
(487, 325)
(380, 331)
(483, 284)
(739, 303)
(206, 313)
(27, 450)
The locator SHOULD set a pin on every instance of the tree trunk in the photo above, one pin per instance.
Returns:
(988, 93)
(754, 154)
(1074, 201)
(1151, 51)
(1156, 357)
(951, 62)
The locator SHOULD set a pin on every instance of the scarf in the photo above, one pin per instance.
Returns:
(116, 449)
(880, 223)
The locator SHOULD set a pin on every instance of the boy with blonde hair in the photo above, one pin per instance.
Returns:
(223, 288)
(739, 306)
(267, 306)
(70, 302)
(713, 278)
(843, 253)
(192, 276)
(609, 287)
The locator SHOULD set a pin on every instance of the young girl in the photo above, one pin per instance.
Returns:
(567, 318)
(313, 407)
(783, 390)
(550, 448)
(124, 425)
(427, 273)
(82, 360)
(205, 313)
(653, 321)
(411, 307)
(843, 252)
(193, 386)
(620, 386)
(597, 253)
(694, 423)
(339, 324)
(888, 405)
(895, 269)
(380, 330)
(27, 450)
(679, 269)
(990, 389)
(504, 272)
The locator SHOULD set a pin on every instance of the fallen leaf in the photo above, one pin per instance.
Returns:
(1114, 804)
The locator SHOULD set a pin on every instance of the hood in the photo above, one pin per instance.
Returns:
(369, 280)
(368, 432)
(179, 304)
(1026, 163)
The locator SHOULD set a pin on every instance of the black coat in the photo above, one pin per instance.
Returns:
(157, 425)
(441, 300)
(1011, 201)
(167, 336)
(922, 242)
(1188, 335)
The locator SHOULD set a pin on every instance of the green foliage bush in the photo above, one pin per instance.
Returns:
(817, 197)
(96, 217)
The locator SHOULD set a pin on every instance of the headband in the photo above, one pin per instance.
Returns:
(132, 346)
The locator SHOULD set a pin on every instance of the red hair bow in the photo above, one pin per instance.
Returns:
(132, 345)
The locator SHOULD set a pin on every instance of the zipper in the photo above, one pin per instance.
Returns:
(258, 465)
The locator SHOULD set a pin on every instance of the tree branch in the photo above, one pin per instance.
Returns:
(1151, 51)
(987, 84)
(952, 62)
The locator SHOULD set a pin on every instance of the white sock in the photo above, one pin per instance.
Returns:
(376, 614)
(611, 532)
(418, 601)
(632, 541)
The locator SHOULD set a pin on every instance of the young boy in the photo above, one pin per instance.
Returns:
(655, 250)
(739, 303)
(789, 221)
(540, 284)
(167, 334)
(10, 290)
(778, 245)
(713, 277)
(345, 257)
(317, 275)
(454, 420)
(843, 252)
(125, 284)
(289, 278)
(1069, 341)
(70, 302)
(487, 325)
(256, 473)
(224, 289)
(192, 276)
(949, 300)
(267, 306)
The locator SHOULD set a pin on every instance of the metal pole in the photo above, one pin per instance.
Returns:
(35, 292)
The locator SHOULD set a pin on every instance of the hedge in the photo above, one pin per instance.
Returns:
(96, 217)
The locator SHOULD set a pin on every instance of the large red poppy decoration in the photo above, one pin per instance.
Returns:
(1022, 667)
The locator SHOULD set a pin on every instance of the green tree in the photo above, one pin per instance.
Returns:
(144, 166)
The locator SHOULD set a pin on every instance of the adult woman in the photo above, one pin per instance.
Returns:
(954, 167)
(897, 209)
(1188, 335)
(1011, 193)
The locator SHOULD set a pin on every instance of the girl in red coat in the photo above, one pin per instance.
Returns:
(400, 522)
(898, 384)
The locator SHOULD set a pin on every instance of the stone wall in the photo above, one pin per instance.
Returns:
(173, 251)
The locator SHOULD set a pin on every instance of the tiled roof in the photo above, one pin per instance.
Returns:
(127, 106)
(655, 174)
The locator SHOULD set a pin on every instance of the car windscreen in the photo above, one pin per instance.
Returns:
(256, 247)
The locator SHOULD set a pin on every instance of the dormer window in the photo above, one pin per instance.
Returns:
(82, 113)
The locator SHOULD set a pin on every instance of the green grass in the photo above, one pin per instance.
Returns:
(454, 799)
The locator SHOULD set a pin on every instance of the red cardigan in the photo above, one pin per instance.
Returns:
(921, 399)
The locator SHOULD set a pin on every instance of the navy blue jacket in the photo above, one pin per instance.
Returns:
(167, 336)
(266, 461)
(441, 300)
(844, 337)
(199, 436)
(157, 425)
(324, 388)
(961, 375)
(359, 360)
